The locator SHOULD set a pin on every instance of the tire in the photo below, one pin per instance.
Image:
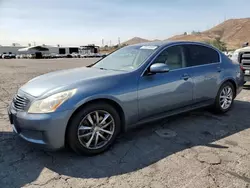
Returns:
(218, 103)
(74, 132)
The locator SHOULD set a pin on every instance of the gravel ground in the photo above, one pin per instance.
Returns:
(196, 149)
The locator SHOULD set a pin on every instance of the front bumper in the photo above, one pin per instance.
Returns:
(46, 130)
(247, 78)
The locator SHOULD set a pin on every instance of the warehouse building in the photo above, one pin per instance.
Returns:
(89, 49)
(10, 49)
(51, 49)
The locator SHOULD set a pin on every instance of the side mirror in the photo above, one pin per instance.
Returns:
(158, 68)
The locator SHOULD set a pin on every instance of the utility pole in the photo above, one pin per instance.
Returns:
(119, 41)
(102, 42)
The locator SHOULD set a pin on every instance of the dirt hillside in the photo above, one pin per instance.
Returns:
(135, 40)
(233, 32)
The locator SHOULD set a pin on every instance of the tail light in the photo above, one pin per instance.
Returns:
(241, 67)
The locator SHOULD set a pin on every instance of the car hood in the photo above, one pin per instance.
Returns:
(48, 82)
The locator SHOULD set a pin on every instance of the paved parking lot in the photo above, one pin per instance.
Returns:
(196, 149)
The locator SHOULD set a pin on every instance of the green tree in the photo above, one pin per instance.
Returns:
(217, 43)
(196, 32)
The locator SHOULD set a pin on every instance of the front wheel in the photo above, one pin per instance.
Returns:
(225, 98)
(93, 129)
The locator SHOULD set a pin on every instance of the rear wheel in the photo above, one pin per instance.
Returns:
(93, 129)
(225, 98)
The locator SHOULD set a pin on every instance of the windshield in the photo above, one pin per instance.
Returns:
(126, 59)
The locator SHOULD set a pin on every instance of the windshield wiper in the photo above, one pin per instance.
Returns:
(103, 68)
(91, 65)
(96, 67)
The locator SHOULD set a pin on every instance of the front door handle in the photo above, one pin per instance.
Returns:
(185, 77)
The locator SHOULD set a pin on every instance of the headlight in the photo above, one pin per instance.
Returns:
(51, 103)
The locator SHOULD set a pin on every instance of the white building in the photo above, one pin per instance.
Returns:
(52, 49)
(10, 49)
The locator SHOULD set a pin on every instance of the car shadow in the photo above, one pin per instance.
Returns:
(22, 163)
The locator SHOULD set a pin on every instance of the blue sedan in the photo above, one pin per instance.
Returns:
(88, 107)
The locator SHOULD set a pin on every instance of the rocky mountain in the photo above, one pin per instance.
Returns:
(135, 40)
(233, 32)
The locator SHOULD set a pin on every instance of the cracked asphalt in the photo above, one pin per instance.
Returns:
(195, 149)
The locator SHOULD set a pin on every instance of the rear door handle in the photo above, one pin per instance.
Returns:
(185, 77)
(218, 69)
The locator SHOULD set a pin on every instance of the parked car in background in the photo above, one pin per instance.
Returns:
(68, 56)
(84, 55)
(98, 55)
(59, 56)
(87, 55)
(12, 56)
(52, 55)
(6, 56)
(30, 56)
(23, 56)
(242, 56)
(229, 54)
(88, 107)
(93, 55)
(75, 55)
(47, 56)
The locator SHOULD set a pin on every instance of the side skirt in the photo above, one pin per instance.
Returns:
(172, 113)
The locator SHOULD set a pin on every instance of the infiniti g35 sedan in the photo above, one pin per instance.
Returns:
(86, 108)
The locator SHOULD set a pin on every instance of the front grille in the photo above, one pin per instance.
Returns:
(20, 102)
(244, 59)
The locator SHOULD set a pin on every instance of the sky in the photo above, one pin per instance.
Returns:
(82, 22)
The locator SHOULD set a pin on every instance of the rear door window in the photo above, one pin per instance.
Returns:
(200, 55)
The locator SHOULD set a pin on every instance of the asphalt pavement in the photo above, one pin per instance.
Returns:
(195, 149)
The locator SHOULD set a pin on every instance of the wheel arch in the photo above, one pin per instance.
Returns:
(233, 82)
(109, 101)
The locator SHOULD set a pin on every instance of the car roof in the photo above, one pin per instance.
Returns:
(166, 43)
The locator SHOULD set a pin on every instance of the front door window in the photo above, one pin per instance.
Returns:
(171, 56)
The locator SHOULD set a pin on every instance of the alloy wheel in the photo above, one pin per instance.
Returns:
(226, 97)
(96, 129)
